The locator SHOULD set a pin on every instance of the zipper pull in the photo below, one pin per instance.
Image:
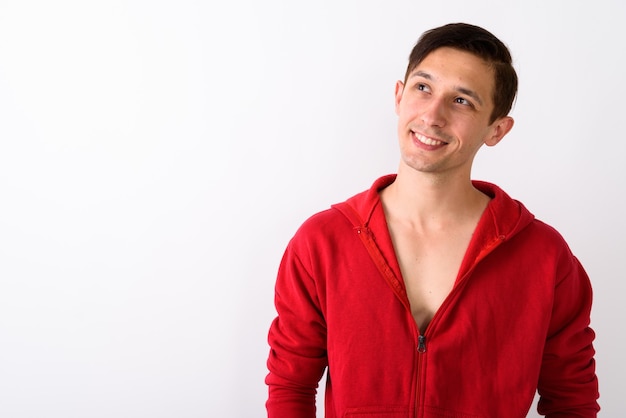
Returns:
(421, 344)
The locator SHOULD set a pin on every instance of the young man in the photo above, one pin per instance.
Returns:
(431, 295)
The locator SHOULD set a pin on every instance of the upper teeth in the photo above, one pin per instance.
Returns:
(428, 141)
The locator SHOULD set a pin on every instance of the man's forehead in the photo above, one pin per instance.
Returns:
(454, 54)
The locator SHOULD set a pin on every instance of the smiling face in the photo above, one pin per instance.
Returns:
(444, 111)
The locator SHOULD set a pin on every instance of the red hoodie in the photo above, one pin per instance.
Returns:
(516, 321)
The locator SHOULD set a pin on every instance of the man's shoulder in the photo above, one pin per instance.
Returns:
(546, 233)
(323, 219)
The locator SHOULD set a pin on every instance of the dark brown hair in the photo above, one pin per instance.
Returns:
(480, 42)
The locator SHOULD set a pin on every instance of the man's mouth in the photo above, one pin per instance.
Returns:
(427, 140)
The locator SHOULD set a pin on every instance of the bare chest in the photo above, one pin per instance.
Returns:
(429, 266)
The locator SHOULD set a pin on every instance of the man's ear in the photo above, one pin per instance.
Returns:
(499, 129)
(399, 91)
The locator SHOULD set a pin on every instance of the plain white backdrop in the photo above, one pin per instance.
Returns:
(156, 157)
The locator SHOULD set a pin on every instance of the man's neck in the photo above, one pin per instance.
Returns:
(432, 202)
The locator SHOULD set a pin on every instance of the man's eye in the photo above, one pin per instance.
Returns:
(462, 101)
(422, 87)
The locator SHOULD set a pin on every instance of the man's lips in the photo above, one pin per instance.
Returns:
(426, 140)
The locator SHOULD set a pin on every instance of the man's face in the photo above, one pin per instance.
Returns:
(444, 111)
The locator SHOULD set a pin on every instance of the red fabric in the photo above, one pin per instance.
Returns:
(516, 321)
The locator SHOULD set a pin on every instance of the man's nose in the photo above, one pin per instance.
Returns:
(435, 113)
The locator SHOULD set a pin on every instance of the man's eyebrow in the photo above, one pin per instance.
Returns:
(422, 74)
(470, 93)
(462, 90)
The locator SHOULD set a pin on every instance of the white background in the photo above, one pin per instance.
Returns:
(156, 157)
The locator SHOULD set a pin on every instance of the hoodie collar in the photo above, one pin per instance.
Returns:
(503, 218)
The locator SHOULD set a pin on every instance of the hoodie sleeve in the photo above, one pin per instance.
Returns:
(297, 340)
(568, 386)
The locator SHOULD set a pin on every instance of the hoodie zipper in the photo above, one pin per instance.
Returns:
(419, 380)
(419, 354)
(421, 344)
